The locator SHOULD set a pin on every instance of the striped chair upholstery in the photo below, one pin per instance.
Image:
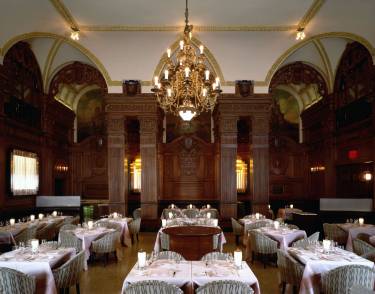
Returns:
(175, 212)
(164, 241)
(27, 234)
(170, 255)
(152, 287)
(225, 287)
(314, 237)
(302, 243)
(134, 228)
(68, 227)
(69, 273)
(262, 245)
(69, 240)
(106, 244)
(364, 237)
(102, 223)
(48, 232)
(191, 213)
(360, 290)
(217, 256)
(137, 213)
(15, 282)
(341, 279)
(293, 227)
(237, 229)
(361, 247)
(290, 270)
(192, 207)
(213, 211)
(115, 226)
(335, 233)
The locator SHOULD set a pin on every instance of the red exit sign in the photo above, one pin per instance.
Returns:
(353, 154)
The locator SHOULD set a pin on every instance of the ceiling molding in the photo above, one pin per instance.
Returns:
(311, 12)
(65, 13)
(327, 63)
(49, 60)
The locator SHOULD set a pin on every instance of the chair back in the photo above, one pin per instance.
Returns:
(191, 213)
(291, 271)
(361, 247)
(152, 287)
(213, 211)
(341, 279)
(15, 282)
(236, 227)
(137, 213)
(335, 233)
(115, 226)
(106, 244)
(48, 232)
(260, 243)
(69, 273)
(68, 227)
(225, 287)
(69, 240)
(170, 255)
(217, 256)
(135, 226)
(175, 212)
(164, 241)
(27, 234)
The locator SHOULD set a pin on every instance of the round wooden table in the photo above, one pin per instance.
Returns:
(192, 242)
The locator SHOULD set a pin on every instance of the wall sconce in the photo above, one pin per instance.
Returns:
(366, 176)
(61, 167)
(318, 168)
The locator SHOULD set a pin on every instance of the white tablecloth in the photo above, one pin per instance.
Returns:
(125, 234)
(284, 236)
(192, 273)
(38, 265)
(317, 263)
(355, 229)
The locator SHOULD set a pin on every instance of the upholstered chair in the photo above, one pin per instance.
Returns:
(68, 227)
(262, 246)
(191, 213)
(335, 233)
(15, 282)
(48, 232)
(217, 256)
(293, 227)
(341, 279)
(69, 273)
(364, 237)
(106, 245)
(152, 287)
(134, 228)
(69, 240)
(114, 226)
(225, 287)
(302, 243)
(170, 255)
(137, 213)
(175, 212)
(213, 211)
(361, 247)
(27, 234)
(356, 289)
(290, 271)
(237, 229)
(102, 223)
(164, 241)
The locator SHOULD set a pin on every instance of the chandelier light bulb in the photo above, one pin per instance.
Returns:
(166, 73)
(207, 74)
(169, 52)
(181, 45)
(217, 80)
(156, 80)
(159, 85)
(169, 92)
(186, 115)
(190, 35)
(300, 34)
(204, 92)
(201, 48)
(187, 72)
(214, 86)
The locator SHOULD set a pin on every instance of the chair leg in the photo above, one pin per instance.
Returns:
(264, 258)
(283, 287)
(78, 291)
(137, 238)
(252, 257)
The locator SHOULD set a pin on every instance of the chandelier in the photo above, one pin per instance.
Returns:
(186, 87)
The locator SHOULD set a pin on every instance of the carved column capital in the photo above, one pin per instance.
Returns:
(260, 124)
(115, 125)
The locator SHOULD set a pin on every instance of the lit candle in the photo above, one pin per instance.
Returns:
(12, 221)
(217, 80)
(208, 214)
(159, 85)
(90, 224)
(326, 245)
(291, 206)
(204, 92)
(172, 205)
(201, 48)
(156, 80)
(187, 71)
(169, 52)
(141, 259)
(54, 213)
(257, 215)
(214, 86)
(34, 245)
(169, 93)
(190, 206)
(163, 222)
(237, 254)
(208, 206)
(190, 35)
(215, 222)
(170, 215)
(361, 221)
(166, 74)
(115, 215)
(32, 217)
(181, 45)
(276, 224)
(40, 216)
(207, 74)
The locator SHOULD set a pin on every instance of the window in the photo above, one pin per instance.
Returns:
(24, 173)
(241, 171)
(136, 175)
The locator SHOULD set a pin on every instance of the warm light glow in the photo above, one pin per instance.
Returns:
(163, 223)
(201, 48)
(181, 45)
(208, 206)
(74, 35)
(169, 52)
(54, 214)
(169, 92)
(90, 224)
(367, 176)
(187, 72)
(276, 225)
(136, 175)
(115, 215)
(24, 173)
(241, 172)
(208, 214)
(257, 215)
(361, 221)
(204, 92)
(40, 216)
(166, 74)
(156, 80)
(12, 221)
(318, 168)
(207, 74)
(32, 217)
(186, 115)
(237, 255)
(190, 35)
(291, 206)
(300, 34)
(170, 215)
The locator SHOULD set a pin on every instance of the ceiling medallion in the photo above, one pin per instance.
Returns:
(186, 87)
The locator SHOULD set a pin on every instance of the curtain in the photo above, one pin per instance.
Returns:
(24, 173)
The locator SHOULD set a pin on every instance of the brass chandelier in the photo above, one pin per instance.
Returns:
(187, 87)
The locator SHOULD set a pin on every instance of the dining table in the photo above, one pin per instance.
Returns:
(317, 262)
(38, 264)
(353, 229)
(189, 275)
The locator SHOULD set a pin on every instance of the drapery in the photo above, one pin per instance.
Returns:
(24, 173)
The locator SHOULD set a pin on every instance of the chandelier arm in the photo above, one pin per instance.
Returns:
(186, 13)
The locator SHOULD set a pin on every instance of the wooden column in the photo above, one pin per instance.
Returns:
(149, 183)
(260, 150)
(228, 156)
(116, 174)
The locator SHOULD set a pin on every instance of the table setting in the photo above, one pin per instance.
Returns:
(283, 235)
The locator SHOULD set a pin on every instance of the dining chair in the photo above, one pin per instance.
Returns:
(68, 227)
(102, 223)
(152, 287)
(191, 213)
(48, 232)
(225, 287)
(361, 247)
(15, 282)
(290, 271)
(106, 245)
(293, 227)
(164, 241)
(335, 233)
(170, 255)
(69, 273)
(341, 279)
(217, 256)
(356, 289)
(364, 237)
(175, 213)
(69, 240)
(302, 243)
(137, 213)
(237, 229)
(134, 228)
(213, 211)
(263, 246)
(27, 234)
(114, 226)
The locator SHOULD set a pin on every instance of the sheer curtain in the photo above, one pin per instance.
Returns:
(24, 173)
